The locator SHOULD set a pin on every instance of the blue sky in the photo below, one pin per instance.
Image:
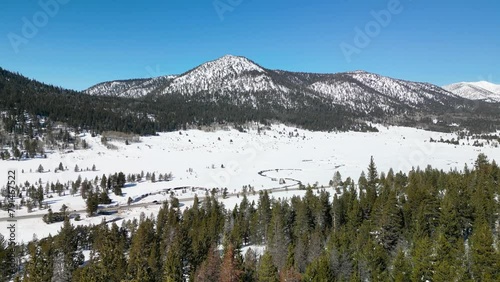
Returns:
(76, 44)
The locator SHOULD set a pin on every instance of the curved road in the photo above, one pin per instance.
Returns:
(183, 200)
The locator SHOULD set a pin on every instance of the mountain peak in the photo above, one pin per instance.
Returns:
(359, 71)
(237, 63)
(227, 73)
(481, 90)
(243, 82)
(229, 56)
(495, 88)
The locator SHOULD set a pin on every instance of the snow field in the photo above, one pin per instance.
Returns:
(232, 159)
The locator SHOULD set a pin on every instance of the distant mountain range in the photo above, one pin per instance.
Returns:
(481, 90)
(243, 82)
(236, 90)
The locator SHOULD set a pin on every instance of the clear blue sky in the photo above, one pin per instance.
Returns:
(86, 42)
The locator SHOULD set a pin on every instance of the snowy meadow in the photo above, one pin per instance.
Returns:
(278, 157)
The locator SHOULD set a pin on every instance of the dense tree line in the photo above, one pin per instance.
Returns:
(20, 96)
(427, 225)
(153, 113)
(93, 191)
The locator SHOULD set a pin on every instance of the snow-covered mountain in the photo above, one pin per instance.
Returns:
(481, 90)
(132, 88)
(368, 91)
(227, 74)
(243, 82)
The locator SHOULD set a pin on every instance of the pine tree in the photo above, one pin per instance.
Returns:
(372, 176)
(142, 243)
(173, 264)
(104, 182)
(7, 265)
(60, 271)
(450, 219)
(39, 196)
(63, 210)
(401, 269)
(230, 269)
(267, 270)
(448, 263)
(110, 247)
(263, 217)
(390, 221)
(337, 180)
(117, 190)
(290, 275)
(209, 270)
(485, 261)
(40, 265)
(104, 198)
(92, 203)
(17, 154)
(289, 272)
(422, 260)
(319, 270)
(250, 266)
(278, 237)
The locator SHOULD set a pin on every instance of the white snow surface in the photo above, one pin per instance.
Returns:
(228, 74)
(481, 90)
(195, 159)
(389, 91)
(411, 93)
(495, 88)
(129, 88)
(245, 82)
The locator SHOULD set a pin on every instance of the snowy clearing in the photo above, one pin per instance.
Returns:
(232, 159)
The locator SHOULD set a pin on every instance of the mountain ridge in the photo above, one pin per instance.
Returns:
(235, 90)
(480, 90)
(245, 82)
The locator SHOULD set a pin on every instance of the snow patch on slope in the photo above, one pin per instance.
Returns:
(481, 90)
(225, 75)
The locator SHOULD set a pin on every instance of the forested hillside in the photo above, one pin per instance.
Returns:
(344, 102)
(21, 97)
(426, 225)
(338, 99)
